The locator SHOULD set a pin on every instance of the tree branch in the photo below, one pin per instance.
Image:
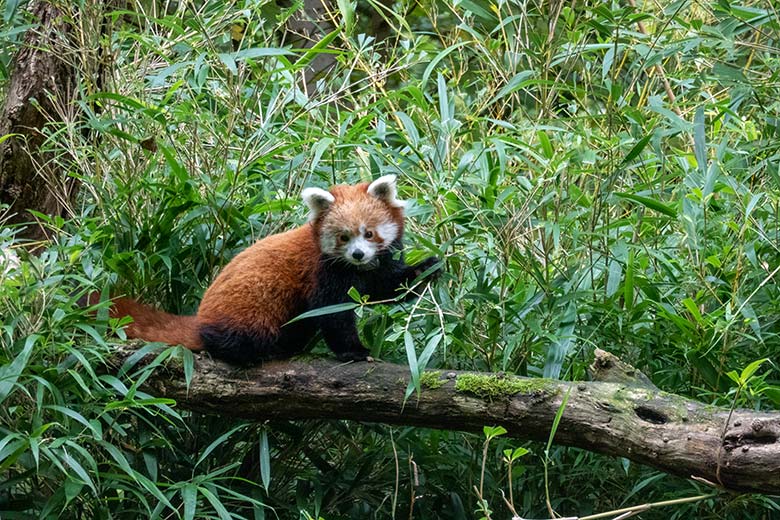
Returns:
(624, 416)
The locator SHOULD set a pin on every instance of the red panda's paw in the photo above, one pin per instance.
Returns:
(432, 265)
(358, 355)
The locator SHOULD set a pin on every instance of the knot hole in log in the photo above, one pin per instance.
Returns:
(647, 414)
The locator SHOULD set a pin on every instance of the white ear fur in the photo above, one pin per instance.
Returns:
(384, 189)
(318, 201)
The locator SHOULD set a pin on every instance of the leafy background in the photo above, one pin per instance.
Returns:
(576, 204)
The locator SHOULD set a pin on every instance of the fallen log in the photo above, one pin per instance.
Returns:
(622, 414)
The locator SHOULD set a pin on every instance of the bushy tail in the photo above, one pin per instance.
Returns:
(152, 324)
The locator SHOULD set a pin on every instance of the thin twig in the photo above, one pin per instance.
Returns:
(643, 507)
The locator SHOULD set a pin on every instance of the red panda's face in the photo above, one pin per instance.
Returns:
(356, 223)
(356, 232)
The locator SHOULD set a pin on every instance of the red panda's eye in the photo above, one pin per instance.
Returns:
(369, 234)
(344, 237)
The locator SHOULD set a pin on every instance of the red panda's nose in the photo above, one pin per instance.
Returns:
(357, 254)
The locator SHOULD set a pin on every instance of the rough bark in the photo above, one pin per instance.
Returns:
(41, 84)
(737, 450)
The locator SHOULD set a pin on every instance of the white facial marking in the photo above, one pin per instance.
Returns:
(388, 231)
(359, 251)
(384, 188)
(318, 201)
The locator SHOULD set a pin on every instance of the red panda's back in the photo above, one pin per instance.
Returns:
(265, 285)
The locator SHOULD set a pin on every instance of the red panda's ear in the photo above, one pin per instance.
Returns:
(384, 189)
(318, 201)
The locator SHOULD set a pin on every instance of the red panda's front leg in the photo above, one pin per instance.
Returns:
(341, 335)
(394, 274)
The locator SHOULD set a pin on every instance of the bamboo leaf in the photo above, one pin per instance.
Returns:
(265, 460)
(9, 374)
(324, 311)
(650, 203)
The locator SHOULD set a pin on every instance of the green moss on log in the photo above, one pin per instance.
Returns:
(430, 379)
(493, 386)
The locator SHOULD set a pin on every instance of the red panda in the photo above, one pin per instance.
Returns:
(352, 239)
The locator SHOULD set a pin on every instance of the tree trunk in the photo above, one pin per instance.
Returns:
(306, 28)
(42, 85)
(622, 415)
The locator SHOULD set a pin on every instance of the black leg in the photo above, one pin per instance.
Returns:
(341, 335)
(381, 283)
(393, 275)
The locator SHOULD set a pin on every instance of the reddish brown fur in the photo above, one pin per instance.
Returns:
(153, 324)
(266, 285)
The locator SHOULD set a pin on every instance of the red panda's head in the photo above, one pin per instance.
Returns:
(356, 223)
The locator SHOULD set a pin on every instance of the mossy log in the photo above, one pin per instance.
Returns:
(622, 415)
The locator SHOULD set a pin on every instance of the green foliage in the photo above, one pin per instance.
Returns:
(76, 440)
(575, 203)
